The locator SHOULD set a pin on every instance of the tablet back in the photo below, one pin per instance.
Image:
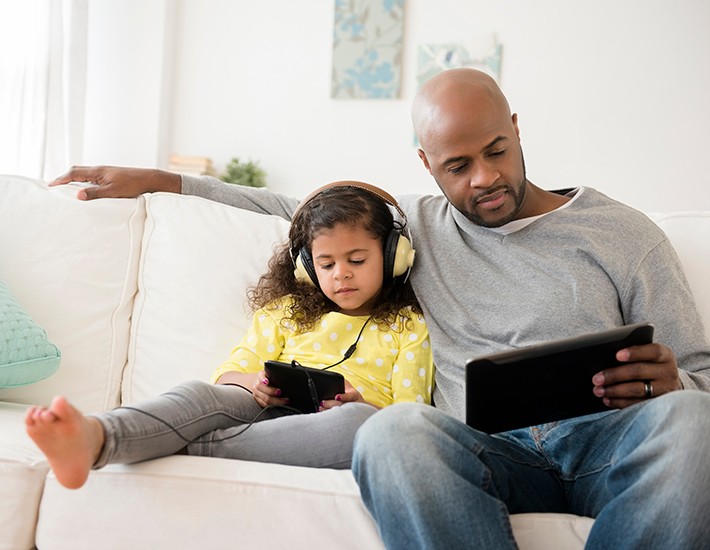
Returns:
(546, 382)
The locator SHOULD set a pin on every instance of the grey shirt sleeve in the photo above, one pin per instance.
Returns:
(661, 293)
(255, 199)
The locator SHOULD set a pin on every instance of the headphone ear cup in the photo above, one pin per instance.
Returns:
(305, 271)
(398, 255)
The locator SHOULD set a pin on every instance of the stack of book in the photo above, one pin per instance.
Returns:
(191, 166)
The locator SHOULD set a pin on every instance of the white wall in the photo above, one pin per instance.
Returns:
(611, 94)
(129, 82)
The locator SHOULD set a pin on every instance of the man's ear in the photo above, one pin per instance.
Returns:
(515, 125)
(422, 155)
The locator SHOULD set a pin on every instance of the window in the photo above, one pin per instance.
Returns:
(42, 85)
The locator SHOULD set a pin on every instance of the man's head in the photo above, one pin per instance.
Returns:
(470, 144)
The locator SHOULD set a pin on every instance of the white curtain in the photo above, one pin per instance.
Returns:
(42, 85)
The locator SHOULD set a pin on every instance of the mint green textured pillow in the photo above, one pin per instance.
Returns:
(26, 356)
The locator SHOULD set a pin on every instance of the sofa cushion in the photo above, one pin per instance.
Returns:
(26, 355)
(198, 258)
(544, 531)
(242, 505)
(201, 502)
(72, 264)
(22, 474)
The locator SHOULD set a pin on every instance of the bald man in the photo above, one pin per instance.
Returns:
(501, 264)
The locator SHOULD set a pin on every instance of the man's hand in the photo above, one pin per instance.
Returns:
(648, 371)
(351, 395)
(119, 182)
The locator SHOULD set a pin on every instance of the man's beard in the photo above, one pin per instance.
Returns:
(518, 200)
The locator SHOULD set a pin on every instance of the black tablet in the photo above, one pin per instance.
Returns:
(305, 387)
(546, 382)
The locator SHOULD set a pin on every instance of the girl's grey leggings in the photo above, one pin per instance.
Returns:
(198, 418)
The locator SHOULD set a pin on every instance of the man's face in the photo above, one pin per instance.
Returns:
(477, 162)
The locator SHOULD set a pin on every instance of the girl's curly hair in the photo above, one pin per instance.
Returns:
(334, 205)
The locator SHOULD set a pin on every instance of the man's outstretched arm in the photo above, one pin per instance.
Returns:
(255, 199)
(123, 182)
(120, 182)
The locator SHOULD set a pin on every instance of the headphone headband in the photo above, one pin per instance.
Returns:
(381, 193)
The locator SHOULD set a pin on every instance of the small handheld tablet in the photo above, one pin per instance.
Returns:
(305, 387)
(546, 382)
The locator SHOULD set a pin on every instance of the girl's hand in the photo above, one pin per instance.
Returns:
(351, 395)
(257, 384)
(264, 394)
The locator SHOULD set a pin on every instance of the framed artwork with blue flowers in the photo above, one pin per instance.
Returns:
(367, 49)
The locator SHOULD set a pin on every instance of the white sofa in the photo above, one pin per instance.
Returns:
(139, 295)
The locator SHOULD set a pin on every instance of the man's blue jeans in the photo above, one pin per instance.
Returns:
(643, 472)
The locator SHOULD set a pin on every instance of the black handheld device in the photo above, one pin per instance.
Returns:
(545, 382)
(305, 387)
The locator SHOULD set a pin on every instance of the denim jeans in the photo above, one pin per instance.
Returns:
(643, 472)
(203, 419)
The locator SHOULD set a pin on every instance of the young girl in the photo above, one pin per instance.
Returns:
(346, 306)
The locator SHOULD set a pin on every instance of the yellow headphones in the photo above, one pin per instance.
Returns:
(398, 251)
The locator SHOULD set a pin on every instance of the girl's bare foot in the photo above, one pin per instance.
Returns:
(71, 441)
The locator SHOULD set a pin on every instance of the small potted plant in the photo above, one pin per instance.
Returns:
(244, 173)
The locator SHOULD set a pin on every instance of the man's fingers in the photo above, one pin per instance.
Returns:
(654, 353)
(90, 174)
(120, 182)
(100, 176)
(96, 192)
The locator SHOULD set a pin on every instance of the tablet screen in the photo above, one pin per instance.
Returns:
(546, 382)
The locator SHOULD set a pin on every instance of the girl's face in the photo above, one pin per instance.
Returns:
(349, 265)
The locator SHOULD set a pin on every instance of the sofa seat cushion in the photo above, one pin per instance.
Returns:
(199, 502)
(22, 473)
(72, 265)
(547, 531)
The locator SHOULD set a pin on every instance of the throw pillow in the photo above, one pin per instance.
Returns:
(26, 355)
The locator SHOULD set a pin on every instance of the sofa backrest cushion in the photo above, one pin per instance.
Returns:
(198, 259)
(72, 265)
